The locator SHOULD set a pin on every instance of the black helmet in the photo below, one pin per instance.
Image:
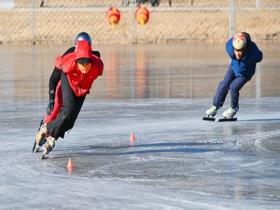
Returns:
(83, 36)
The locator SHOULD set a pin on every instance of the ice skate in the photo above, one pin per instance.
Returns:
(229, 115)
(40, 138)
(210, 113)
(230, 112)
(48, 146)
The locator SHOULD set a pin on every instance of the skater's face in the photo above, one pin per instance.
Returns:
(84, 67)
(239, 53)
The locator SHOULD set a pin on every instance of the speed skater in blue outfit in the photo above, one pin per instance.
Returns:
(244, 55)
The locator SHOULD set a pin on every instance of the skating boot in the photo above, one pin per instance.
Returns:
(40, 138)
(229, 114)
(210, 113)
(48, 146)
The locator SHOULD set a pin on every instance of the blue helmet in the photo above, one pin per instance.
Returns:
(83, 36)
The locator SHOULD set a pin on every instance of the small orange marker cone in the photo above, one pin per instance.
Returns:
(132, 139)
(70, 166)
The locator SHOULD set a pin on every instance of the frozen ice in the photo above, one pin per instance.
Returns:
(160, 93)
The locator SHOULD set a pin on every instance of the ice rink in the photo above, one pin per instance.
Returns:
(160, 93)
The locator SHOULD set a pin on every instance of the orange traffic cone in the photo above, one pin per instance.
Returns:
(70, 166)
(132, 139)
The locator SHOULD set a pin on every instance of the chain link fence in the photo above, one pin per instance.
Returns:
(211, 21)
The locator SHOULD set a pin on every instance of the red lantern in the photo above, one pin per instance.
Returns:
(142, 15)
(113, 16)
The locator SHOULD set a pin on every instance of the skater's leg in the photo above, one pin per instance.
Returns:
(223, 88)
(235, 87)
(40, 137)
(69, 111)
(49, 145)
(66, 117)
(42, 131)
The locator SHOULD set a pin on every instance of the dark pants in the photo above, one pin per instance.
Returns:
(69, 110)
(232, 83)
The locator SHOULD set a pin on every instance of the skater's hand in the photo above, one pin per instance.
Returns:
(50, 106)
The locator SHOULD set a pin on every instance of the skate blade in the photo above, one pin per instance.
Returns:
(227, 119)
(208, 118)
(36, 148)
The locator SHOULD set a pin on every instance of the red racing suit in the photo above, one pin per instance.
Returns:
(79, 82)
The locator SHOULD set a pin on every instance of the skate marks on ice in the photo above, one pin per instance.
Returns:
(192, 172)
(184, 147)
(122, 160)
(261, 120)
(88, 151)
(219, 143)
(186, 166)
(266, 141)
(91, 159)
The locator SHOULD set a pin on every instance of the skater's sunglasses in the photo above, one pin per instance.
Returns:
(84, 61)
(239, 50)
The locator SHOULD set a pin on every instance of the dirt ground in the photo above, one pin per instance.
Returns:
(59, 23)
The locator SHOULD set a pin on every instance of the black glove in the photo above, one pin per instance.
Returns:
(51, 102)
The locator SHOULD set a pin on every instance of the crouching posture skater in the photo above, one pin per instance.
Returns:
(56, 74)
(78, 71)
(244, 55)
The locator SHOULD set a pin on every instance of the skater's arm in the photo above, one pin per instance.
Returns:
(56, 74)
(229, 48)
(253, 55)
(257, 55)
(54, 79)
(70, 50)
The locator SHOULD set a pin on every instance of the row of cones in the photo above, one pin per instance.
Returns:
(70, 162)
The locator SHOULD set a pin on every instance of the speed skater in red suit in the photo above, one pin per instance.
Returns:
(78, 70)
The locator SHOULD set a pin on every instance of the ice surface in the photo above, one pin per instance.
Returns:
(178, 161)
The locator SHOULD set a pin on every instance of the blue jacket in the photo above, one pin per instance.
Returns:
(245, 67)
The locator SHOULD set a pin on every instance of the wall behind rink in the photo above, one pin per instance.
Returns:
(212, 21)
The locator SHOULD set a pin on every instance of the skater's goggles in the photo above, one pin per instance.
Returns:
(84, 61)
(239, 50)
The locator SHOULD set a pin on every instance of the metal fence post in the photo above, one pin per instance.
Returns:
(232, 17)
(34, 21)
(258, 3)
(133, 38)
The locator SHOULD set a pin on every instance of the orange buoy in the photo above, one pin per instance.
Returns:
(142, 15)
(113, 16)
